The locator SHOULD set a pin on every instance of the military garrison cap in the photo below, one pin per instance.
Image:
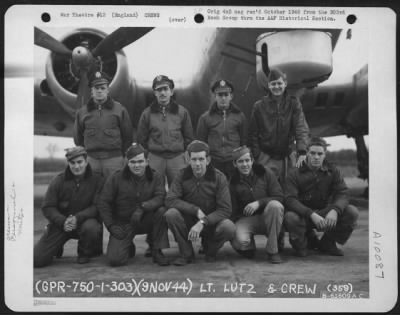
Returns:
(239, 152)
(198, 146)
(134, 149)
(318, 141)
(222, 86)
(162, 80)
(98, 78)
(75, 152)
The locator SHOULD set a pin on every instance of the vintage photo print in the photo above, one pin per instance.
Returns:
(98, 96)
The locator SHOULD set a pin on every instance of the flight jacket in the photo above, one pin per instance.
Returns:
(166, 134)
(65, 196)
(210, 193)
(104, 131)
(274, 128)
(308, 191)
(223, 132)
(123, 193)
(260, 185)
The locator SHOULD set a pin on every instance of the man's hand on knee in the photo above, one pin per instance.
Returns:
(331, 219)
(251, 208)
(319, 221)
(70, 223)
(194, 233)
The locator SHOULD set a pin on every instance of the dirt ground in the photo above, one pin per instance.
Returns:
(315, 276)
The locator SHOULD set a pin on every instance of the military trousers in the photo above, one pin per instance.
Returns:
(267, 223)
(89, 234)
(167, 167)
(298, 226)
(105, 167)
(118, 250)
(213, 236)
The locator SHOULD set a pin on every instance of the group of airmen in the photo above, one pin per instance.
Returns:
(233, 181)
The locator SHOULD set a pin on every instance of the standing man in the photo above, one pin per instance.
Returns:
(131, 203)
(316, 198)
(257, 206)
(276, 121)
(69, 206)
(223, 127)
(165, 130)
(199, 205)
(103, 127)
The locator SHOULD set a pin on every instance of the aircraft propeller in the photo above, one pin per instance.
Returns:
(84, 60)
(44, 40)
(119, 39)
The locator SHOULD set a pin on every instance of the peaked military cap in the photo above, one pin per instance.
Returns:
(98, 78)
(222, 86)
(162, 80)
(74, 152)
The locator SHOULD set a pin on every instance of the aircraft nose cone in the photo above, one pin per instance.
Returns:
(81, 56)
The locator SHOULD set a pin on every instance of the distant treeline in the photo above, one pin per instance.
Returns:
(342, 158)
(44, 165)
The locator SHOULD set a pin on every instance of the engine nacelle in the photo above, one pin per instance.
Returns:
(304, 55)
(61, 77)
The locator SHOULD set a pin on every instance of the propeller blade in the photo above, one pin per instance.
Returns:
(120, 38)
(83, 89)
(44, 40)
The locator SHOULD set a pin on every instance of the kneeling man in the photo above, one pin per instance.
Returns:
(199, 205)
(316, 198)
(257, 205)
(131, 203)
(70, 207)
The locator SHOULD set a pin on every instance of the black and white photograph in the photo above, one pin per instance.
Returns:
(209, 158)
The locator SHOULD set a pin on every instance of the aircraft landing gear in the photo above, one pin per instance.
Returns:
(363, 161)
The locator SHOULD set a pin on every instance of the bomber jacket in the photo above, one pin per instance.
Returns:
(210, 193)
(260, 185)
(105, 131)
(274, 128)
(123, 193)
(65, 196)
(223, 131)
(168, 133)
(307, 191)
